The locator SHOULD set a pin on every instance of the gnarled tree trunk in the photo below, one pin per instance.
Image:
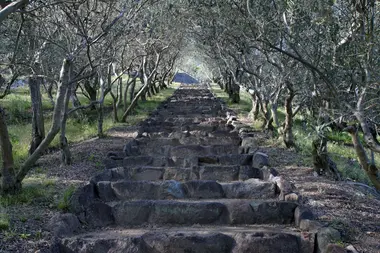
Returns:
(323, 164)
(368, 165)
(7, 174)
(288, 128)
(38, 126)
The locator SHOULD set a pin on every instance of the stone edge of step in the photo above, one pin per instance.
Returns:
(323, 236)
(326, 237)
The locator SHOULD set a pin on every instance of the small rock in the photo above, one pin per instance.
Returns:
(292, 197)
(334, 248)
(260, 160)
(99, 215)
(63, 224)
(351, 249)
(309, 225)
(283, 185)
(81, 198)
(268, 174)
(302, 213)
(249, 142)
(325, 236)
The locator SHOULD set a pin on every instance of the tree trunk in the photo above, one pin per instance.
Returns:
(8, 183)
(38, 126)
(65, 149)
(268, 119)
(133, 103)
(273, 108)
(100, 120)
(143, 95)
(152, 89)
(56, 122)
(120, 93)
(114, 107)
(132, 94)
(254, 113)
(288, 128)
(234, 92)
(323, 164)
(368, 165)
(91, 92)
(49, 92)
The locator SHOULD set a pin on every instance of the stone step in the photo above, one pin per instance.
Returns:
(190, 212)
(219, 173)
(196, 189)
(170, 127)
(200, 239)
(197, 150)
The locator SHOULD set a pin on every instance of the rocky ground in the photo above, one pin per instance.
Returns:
(351, 209)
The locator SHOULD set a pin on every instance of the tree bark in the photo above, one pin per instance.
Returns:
(56, 121)
(274, 111)
(133, 103)
(254, 113)
(91, 91)
(132, 93)
(65, 149)
(288, 128)
(100, 120)
(368, 165)
(114, 107)
(38, 126)
(8, 183)
(235, 93)
(12, 7)
(120, 93)
(323, 164)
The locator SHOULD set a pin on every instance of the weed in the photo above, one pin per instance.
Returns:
(25, 236)
(91, 157)
(4, 222)
(10, 234)
(38, 235)
(49, 182)
(23, 219)
(64, 204)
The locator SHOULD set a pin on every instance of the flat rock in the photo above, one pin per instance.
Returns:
(279, 212)
(185, 240)
(250, 189)
(165, 212)
(203, 189)
(219, 173)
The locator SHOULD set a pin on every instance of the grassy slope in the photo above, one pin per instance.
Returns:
(38, 186)
(343, 155)
(18, 108)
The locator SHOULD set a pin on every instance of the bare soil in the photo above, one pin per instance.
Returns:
(28, 232)
(351, 209)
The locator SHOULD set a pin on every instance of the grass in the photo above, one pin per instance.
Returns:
(39, 188)
(243, 108)
(18, 107)
(4, 221)
(64, 204)
(338, 146)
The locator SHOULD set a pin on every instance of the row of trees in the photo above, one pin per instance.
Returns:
(87, 46)
(319, 58)
(316, 58)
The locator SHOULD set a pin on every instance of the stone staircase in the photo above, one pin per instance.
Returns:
(189, 182)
